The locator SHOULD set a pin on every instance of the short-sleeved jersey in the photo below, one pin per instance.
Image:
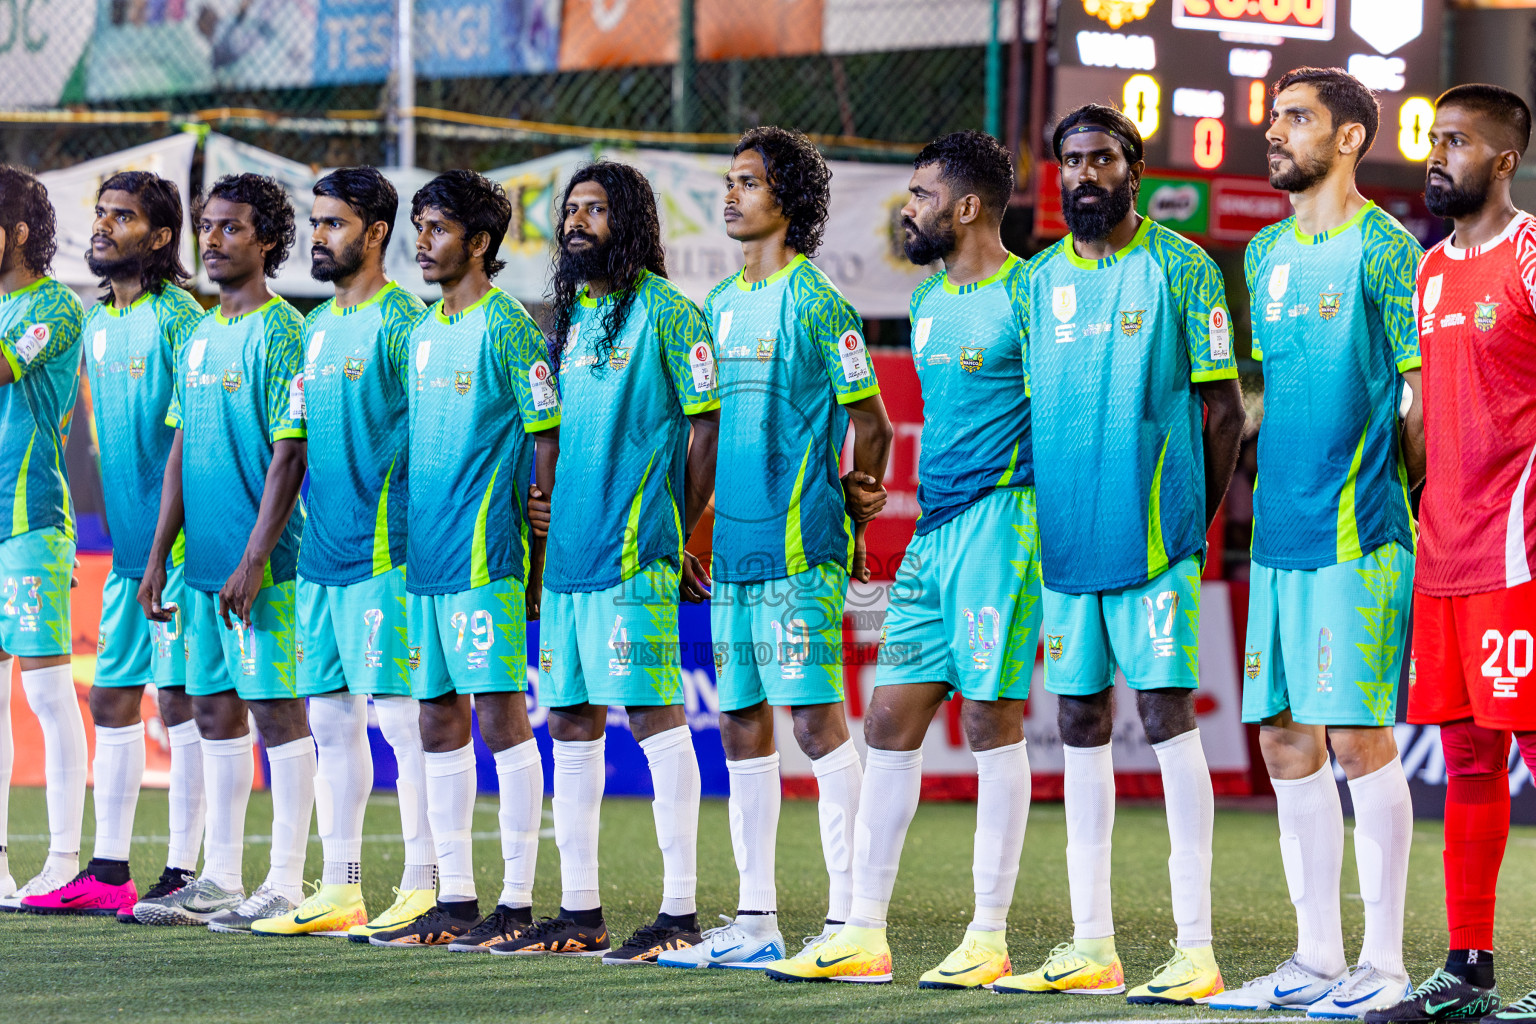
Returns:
(40, 339)
(130, 358)
(239, 390)
(356, 376)
(1477, 327)
(1116, 348)
(791, 354)
(480, 384)
(618, 501)
(1333, 325)
(967, 342)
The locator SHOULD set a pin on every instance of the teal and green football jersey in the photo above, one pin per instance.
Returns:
(791, 355)
(618, 501)
(239, 390)
(130, 358)
(356, 375)
(1334, 325)
(480, 384)
(967, 342)
(1115, 349)
(40, 339)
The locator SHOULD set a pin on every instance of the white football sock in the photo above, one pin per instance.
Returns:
(893, 780)
(118, 771)
(675, 779)
(184, 796)
(343, 780)
(753, 809)
(580, 774)
(520, 778)
(839, 777)
(229, 770)
(1312, 851)
(1383, 836)
(293, 800)
(1088, 784)
(451, 810)
(400, 722)
(1003, 787)
(1190, 804)
(51, 694)
(7, 752)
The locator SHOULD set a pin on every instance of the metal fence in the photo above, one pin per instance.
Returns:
(499, 81)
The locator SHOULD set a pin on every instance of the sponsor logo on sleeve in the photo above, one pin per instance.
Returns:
(1221, 333)
(32, 342)
(850, 347)
(701, 361)
(542, 385)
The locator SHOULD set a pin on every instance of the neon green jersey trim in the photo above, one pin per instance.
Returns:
(794, 544)
(1108, 261)
(858, 396)
(1410, 364)
(219, 317)
(778, 275)
(965, 289)
(113, 311)
(381, 559)
(552, 420)
(1225, 373)
(479, 565)
(1348, 544)
(373, 300)
(629, 560)
(694, 408)
(437, 310)
(1306, 239)
(1013, 463)
(20, 522)
(1157, 552)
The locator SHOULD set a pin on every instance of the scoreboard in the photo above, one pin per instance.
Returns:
(1195, 74)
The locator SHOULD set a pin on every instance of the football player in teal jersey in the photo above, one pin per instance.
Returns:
(483, 409)
(1333, 541)
(40, 345)
(637, 372)
(133, 337)
(965, 608)
(795, 374)
(232, 483)
(350, 583)
(1136, 419)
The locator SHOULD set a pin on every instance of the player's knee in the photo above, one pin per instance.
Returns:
(992, 724)
(1086, 721)
(886, 730)
(280, 721)
(1166, 714)
(175, 706)
(115, 707)
(821, 729)
(1362, 751)
(1472, 749)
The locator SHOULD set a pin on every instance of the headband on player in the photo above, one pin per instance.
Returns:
(1085, 128)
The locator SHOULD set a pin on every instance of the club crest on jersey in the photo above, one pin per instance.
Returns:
(298, 651)
(1064, 302)
(765, 347)
(720, 659)
(1251, 663)
(413, 658)
(619, 358)
(970, 359)
(136, 367)
(233, 379)
(1328, 304)
(546, 659)
(1130, 321)
(463, 380)
(1485, 315)
(352, 367)
(1053, 646)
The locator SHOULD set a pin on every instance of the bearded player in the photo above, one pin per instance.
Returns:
(232, 480)
(350, 584)
(135, 335)
(637, 374)
(1474, 602)
(40, 341)
(1333, 541)
(1136, 414)
(965, 609)
(796, 376)
(483, 411)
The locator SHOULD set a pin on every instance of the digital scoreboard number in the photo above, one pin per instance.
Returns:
(1292, 19)
(1195, 75)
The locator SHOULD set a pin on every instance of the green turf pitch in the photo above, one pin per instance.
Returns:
(70, 969)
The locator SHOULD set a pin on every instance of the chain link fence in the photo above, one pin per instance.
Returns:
(497, 81)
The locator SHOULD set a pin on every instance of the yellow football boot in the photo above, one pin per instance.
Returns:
(1090, 967)
(980, 959)
(1188, 977)
(853, 954)
(330, 910)
(408, 906)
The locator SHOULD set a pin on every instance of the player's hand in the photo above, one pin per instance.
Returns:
(859, 571)
(864, 497)
(239, 593)
(538, 511)
(695, 584)
(151, 589)
(74, 578)
(533, 597)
